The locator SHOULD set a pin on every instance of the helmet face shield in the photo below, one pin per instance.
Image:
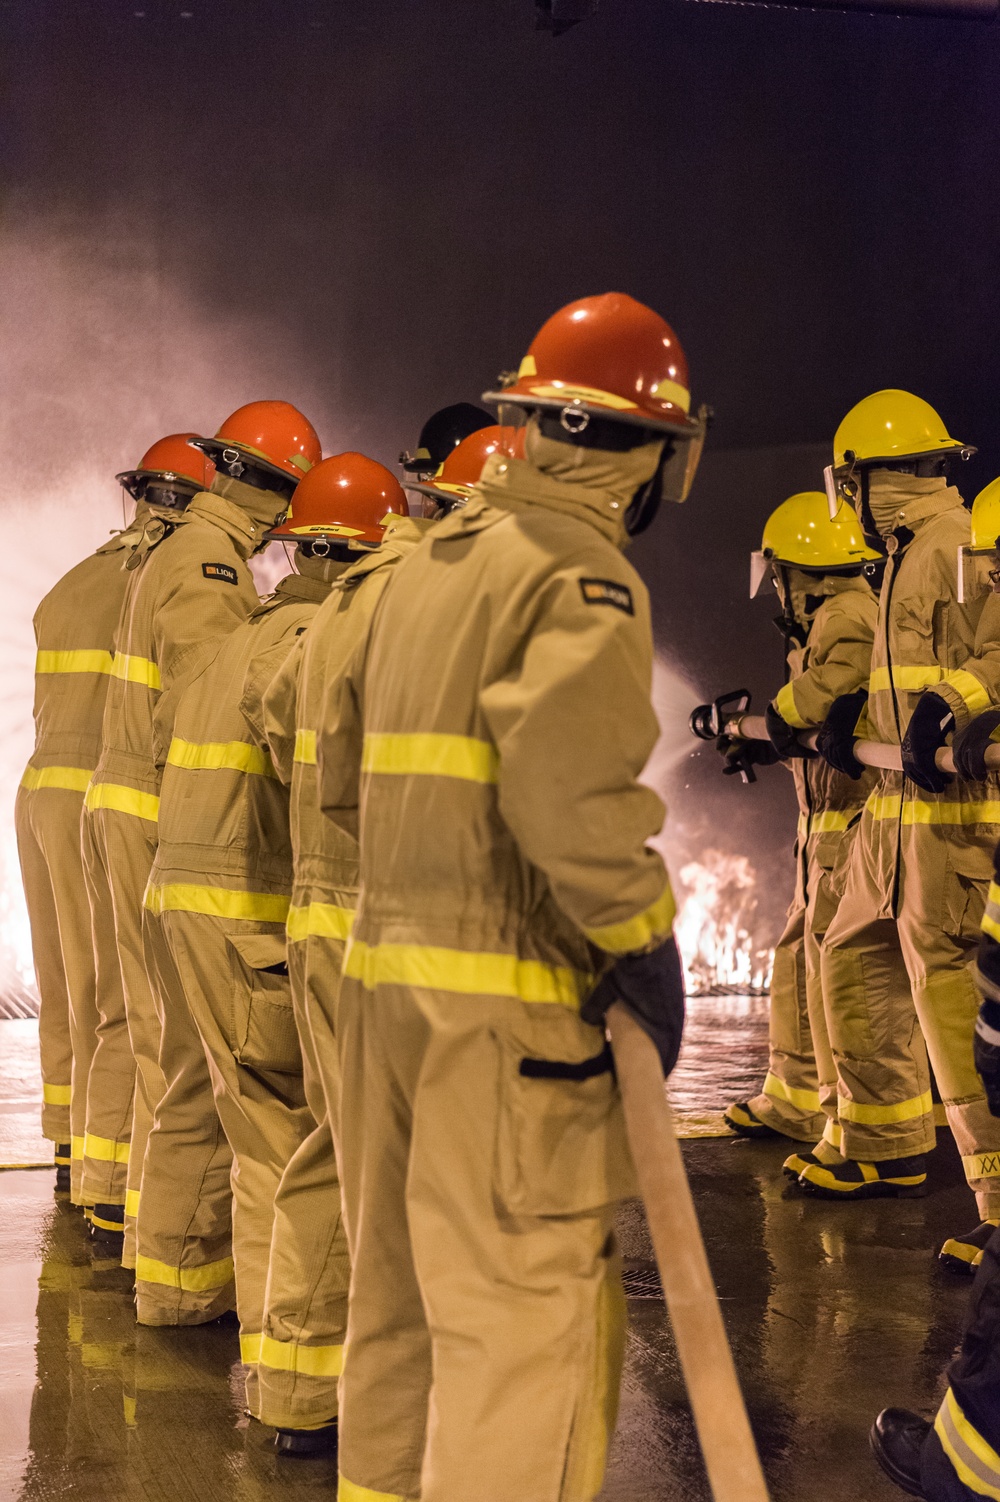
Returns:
(682, 455)
(841, 486)
(761, 574)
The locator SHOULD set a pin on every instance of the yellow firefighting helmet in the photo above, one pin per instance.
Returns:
(986, 519)
(888, 427)
(801, 534)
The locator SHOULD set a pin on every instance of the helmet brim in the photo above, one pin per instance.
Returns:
(949, 446)
(675, 422)
(215, 447)
(129, 477)
(360, 536)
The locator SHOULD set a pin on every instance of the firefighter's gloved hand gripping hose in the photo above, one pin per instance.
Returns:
(645, 1048)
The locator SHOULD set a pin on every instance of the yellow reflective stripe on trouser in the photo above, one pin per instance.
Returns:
(349, 1491)
(991, 914)
(70, 779)
(132, 1202)
(56, 1095)
(903, 1110)
(123, 800)
(784, 703)
(320, 920)
(806, 1100)
(190, 1279)
(637, 932)
(305, 747)
(217, 902)
(976, 1463)
(105, 1149)
(289, 1356)
(908, 680)
(76, 1149)
(917, 811)
(982, 1166)
(215, 756)
(135, 670)
(431, 755)
(83, 660)
(464, 972)
(969, 689)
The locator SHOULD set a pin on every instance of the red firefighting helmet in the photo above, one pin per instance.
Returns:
(172, 461)
(344, 498)
(275, 435)
(453, 483)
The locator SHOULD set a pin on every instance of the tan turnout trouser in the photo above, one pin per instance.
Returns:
(47, 821)
(111, 1094)
(876, 1030)
(799, 1096)
(184, 1229)
(305, 1318)
(486, 1321)
(125, 845)
(241, 1007)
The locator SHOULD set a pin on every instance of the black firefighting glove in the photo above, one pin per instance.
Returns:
(738, 754)
(986, 1052)
(783, 738)
(837, 734)
(651, 986)
(929, 727)
(970, 746)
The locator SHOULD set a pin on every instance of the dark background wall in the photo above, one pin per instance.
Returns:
(369, 208)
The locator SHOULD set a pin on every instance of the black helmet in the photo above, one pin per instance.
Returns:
(441, 433)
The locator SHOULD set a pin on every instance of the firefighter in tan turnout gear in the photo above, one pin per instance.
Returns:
(828, 619)
(301, 1347)
(189, 587)
(498, 718)
(216, 906)
(921, 862)
(75, 635)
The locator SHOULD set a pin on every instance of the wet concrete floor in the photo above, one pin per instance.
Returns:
(833, 1311)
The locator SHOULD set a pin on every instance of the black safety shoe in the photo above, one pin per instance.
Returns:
(899, 1178)
(307, 1444)
(963, 1254)
(897, 1438)
(741, 1120)
(63, 1167)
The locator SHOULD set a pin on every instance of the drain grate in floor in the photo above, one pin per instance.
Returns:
(642, 1281)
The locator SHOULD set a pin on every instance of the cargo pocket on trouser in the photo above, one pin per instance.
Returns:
(264, 1035)
(561, 1146)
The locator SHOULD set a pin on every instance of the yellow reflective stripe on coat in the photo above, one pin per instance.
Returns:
(56, 1095)
(70, 779)
(349, 1491)
(981, 1166)
(806, 1100)
(969, 689)
(976, 1463)
(784, 703)
(216, 902)
(305, 748)
(190, 1279)
(289, 1356)
(903, 1110)
(105, 1149)
(123, 800)
(431, 755)
(991, 913)
(635, 933)
(917, 811)
(907, 679)
(320, 920)
(464, 972)
(83, 660)
(136, 670)
(219, 756)
(830, 821)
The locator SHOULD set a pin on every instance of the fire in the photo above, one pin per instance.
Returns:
(715, 926)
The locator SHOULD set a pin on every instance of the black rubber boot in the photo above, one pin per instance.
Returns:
(963, 1254)
(63, 1162)
(745, 1123)
(107, 1229)
(307, 1444)
(895, 1178)
(897, 1438)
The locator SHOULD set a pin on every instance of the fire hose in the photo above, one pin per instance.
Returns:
(728, 715)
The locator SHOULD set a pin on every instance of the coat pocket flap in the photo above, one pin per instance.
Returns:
(260, 951)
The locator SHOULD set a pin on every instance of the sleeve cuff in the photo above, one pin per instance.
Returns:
(784, 703)
(646, 929)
